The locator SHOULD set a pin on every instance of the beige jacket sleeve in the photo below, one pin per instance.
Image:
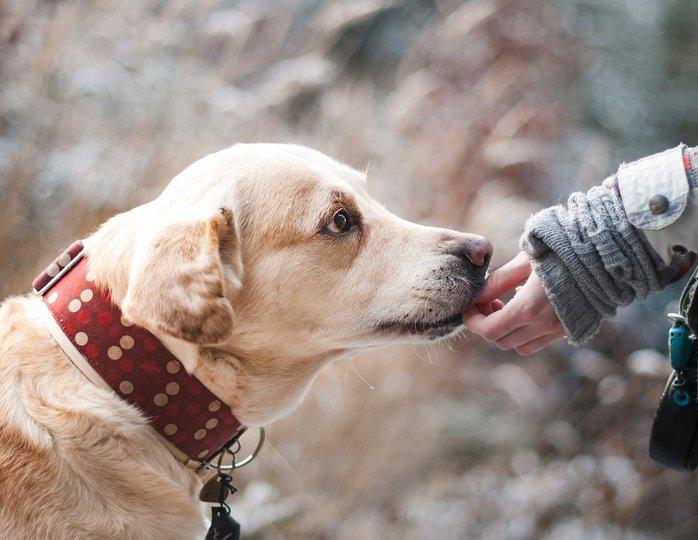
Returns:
(660, 197)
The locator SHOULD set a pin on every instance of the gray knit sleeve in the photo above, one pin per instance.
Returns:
(590, 260)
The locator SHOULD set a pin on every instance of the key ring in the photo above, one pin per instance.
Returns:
(239, 464)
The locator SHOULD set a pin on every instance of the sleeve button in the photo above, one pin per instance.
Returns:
(658, 204)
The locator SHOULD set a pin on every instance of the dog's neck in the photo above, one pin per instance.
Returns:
(245, 384)
(252, 390)
(240, 374)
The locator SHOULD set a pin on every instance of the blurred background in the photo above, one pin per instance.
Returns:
(471, 115)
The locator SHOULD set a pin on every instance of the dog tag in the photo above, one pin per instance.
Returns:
(223, 526)
(211, 492)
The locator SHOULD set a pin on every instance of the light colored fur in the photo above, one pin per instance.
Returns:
(231, 268)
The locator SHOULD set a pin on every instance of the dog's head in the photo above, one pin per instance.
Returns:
(281, 247)
(277, 251)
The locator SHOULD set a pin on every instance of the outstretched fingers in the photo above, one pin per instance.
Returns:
(495, 326)
(527, 323)
(506, 278)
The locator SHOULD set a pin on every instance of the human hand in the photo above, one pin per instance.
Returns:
(527, 323)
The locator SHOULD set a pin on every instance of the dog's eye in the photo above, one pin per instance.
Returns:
(341, 222)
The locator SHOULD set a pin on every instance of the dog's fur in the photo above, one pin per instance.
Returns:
(237, 269)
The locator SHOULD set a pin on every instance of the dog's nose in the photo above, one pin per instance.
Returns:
(478, 251)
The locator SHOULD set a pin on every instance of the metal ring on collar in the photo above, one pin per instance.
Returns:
(238, 464)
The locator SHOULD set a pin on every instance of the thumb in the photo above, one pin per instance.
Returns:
(505, 278)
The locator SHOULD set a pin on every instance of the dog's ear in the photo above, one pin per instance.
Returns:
(181, 276)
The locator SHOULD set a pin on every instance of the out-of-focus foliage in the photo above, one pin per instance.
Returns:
(469, 115)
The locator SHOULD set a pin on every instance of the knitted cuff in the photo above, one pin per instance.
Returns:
(578, 316)
(589, 259)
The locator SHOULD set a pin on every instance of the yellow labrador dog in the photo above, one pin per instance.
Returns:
(255, 267)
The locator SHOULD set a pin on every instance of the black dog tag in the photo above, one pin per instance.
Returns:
(223, 526)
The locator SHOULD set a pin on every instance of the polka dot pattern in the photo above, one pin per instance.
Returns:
(86, 295)
(53, 269)
(126, 342)
(138, 367)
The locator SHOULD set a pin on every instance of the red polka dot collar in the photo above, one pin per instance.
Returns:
(114, 353)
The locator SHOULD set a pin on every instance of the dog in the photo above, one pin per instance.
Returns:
(255, 267)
